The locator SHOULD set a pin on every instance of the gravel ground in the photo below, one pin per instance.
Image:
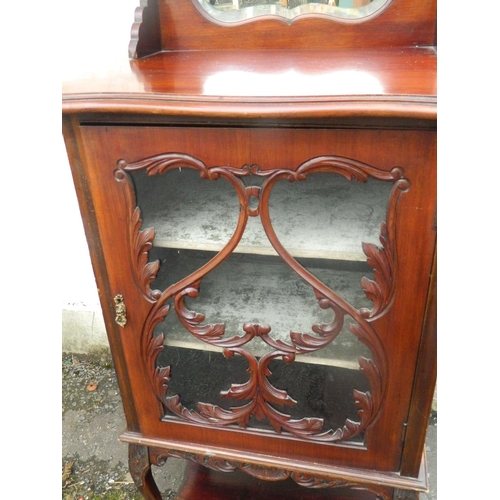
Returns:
(94, 462)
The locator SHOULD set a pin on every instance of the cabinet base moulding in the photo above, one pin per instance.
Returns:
(267, 468)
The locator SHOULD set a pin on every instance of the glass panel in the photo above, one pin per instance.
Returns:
(323, 392)
(263, 290)
(252, 343)
(320, 391)
(186, 210)
(242, 10)
(327, 216)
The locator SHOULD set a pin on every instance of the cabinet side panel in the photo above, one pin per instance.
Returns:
(425, 380)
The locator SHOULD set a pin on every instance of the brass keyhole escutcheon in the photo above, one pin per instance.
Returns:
(120, 310)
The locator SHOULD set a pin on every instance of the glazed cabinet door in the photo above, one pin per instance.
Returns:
(265, 288)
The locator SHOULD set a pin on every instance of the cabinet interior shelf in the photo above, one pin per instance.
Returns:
(326, 216)
(263, 289)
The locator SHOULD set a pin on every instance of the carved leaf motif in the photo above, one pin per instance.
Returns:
(173, 403)
(305, 427)
(309, 481)
(192, 321)
(212, 462)
(219, 464)
(140, 241)
(372, 373)
(142, 245)
(364, 401)
(373, 292)
(261, 394)
(305, 342)
(161, 376)
(265, 473)
(382, 261)
(217, 415)
(346, 167)
(159, 164)
(247, 390)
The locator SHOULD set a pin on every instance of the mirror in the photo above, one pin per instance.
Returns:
(236, 11)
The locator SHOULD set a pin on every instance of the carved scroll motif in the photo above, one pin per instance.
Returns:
(258, 391)
(159, 457)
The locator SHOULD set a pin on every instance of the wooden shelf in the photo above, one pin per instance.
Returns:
(188, 212)
(260, 289)
(201, 482)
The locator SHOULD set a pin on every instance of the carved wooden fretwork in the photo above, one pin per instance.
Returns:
(160, 456)
(140, 242)
(258, 391)
(383, 259)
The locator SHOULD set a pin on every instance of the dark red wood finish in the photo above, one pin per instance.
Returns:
(361, 112)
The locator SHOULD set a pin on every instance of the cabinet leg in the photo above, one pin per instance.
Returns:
(140, 470)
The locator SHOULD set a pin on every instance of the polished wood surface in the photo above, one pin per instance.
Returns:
(425, 381)
(276, 85)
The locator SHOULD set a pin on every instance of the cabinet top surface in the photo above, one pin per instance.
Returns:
(357, 82)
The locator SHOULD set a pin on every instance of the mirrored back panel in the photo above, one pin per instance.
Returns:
(234, 11)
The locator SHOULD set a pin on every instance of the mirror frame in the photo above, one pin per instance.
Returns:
(289, 16)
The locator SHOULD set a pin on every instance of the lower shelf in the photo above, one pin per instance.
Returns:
(202, 483)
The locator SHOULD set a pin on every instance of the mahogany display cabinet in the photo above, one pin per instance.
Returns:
(258, 189)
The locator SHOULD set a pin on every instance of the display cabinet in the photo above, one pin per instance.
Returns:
(258, 190)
